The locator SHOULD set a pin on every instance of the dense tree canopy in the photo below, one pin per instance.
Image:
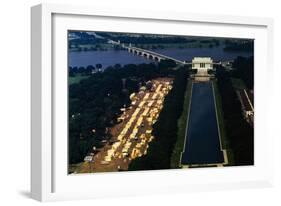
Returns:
(146, 39)
(238, 131)
(84, 38)
(239, 45)
(95, 103)
(244, 69)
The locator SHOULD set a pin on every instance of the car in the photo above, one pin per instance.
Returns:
(125, 154)
(104, 162)
(88, 158)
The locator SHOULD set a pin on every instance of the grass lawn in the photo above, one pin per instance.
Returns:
(76, 79)
(223, 135)
(176, 155)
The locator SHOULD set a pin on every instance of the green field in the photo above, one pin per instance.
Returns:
(76, 79)
(176, 155)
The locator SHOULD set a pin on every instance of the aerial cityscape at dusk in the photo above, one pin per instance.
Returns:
(152, 101)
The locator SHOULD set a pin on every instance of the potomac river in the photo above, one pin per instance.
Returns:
(112, 57)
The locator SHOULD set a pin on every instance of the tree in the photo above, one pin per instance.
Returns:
(167, 63)
(244, 69)
(239, 132)
(91, 106)
(89, 69)
(81, 70)
(99, 66)
(117, 66)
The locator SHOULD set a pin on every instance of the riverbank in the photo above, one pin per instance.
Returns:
(123, 57)
(107, 46)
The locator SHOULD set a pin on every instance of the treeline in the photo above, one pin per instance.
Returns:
(239, 133)
(244, 69)
(239, 45)
(95, 102)
(146, 39)
(83, 38)
(165, 129)
(88, 70)
(91, 69)
(216, 42)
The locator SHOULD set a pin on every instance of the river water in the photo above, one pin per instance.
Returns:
(202, 144)
(112, 57)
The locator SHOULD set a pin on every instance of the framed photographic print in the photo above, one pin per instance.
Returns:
(137, 102)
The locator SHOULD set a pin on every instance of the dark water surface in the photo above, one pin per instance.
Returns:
(202, 144)
(112, 57)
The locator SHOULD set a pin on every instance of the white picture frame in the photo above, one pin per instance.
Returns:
(49, 179)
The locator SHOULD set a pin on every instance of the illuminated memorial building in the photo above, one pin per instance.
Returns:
(202, 65)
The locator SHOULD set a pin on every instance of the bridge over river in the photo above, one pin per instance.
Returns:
(146, 53)
(153, 55)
